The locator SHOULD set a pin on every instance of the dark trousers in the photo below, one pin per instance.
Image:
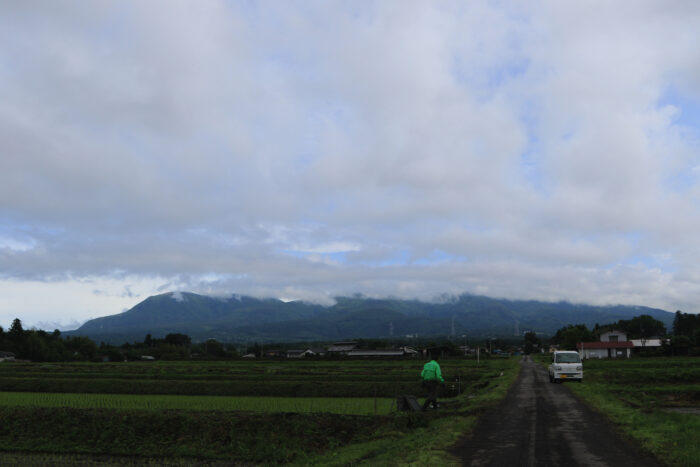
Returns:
(432, 388)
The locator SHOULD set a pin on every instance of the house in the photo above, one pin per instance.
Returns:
(613, 336)
(342, 348)
(275, 353)
(612, 344)
(299, 353)
(318, 351)
(7, 356)
(376, 353)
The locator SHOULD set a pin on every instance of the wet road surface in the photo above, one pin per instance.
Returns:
(542, 424)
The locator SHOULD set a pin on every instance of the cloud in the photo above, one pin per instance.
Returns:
(320, 148)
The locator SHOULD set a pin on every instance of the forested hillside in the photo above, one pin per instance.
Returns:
(241, 318)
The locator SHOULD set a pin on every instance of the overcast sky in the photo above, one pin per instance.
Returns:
(309, 149)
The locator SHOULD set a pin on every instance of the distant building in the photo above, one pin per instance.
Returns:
(440, 350)
(342, 348)
(350, 349)
(641, 343)
(613, 336)
(612, 344)
(376, 353)
(299, 353)
(7, 356)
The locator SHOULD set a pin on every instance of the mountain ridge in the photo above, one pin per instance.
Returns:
(242, 318)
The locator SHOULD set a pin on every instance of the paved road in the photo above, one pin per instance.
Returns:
(542, 424)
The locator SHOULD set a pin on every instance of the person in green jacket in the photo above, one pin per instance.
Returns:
(432, 377)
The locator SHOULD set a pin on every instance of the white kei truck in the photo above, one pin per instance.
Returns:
(566, 366)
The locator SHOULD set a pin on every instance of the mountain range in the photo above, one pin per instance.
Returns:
(247, 319)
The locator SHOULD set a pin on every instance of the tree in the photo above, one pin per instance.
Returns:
(16, 337)
(113, 354)
(180, 340)
(696, 337)
(16, 331)
(680, 345)
(82, 347)
(531, 342)
(214, 348)
(643, 327)
(569, 337)
(684, 324)
(36, 349)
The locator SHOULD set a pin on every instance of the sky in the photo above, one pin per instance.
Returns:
(310, 149)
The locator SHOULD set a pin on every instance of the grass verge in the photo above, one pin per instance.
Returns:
(671, 437)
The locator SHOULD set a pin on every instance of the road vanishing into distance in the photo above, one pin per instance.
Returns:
(542, 424)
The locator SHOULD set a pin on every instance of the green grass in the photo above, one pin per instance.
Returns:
(345, 405)
(338, 430)
(386, 378)
(636, 394)
(247, 438)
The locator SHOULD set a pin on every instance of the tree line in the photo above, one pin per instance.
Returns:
(684, 338)
(42, 346)
(38, 345)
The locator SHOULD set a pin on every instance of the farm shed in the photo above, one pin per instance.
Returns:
(342, 347)
(299, 353)
(276, 353)
(640, 343)
(377, 353)
(605, 349)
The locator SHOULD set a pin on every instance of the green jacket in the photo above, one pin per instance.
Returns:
(431, 372)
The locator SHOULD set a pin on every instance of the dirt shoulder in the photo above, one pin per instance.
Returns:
(543, 424)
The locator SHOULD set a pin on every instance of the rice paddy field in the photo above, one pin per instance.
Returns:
(653, 400)
(254, 412)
